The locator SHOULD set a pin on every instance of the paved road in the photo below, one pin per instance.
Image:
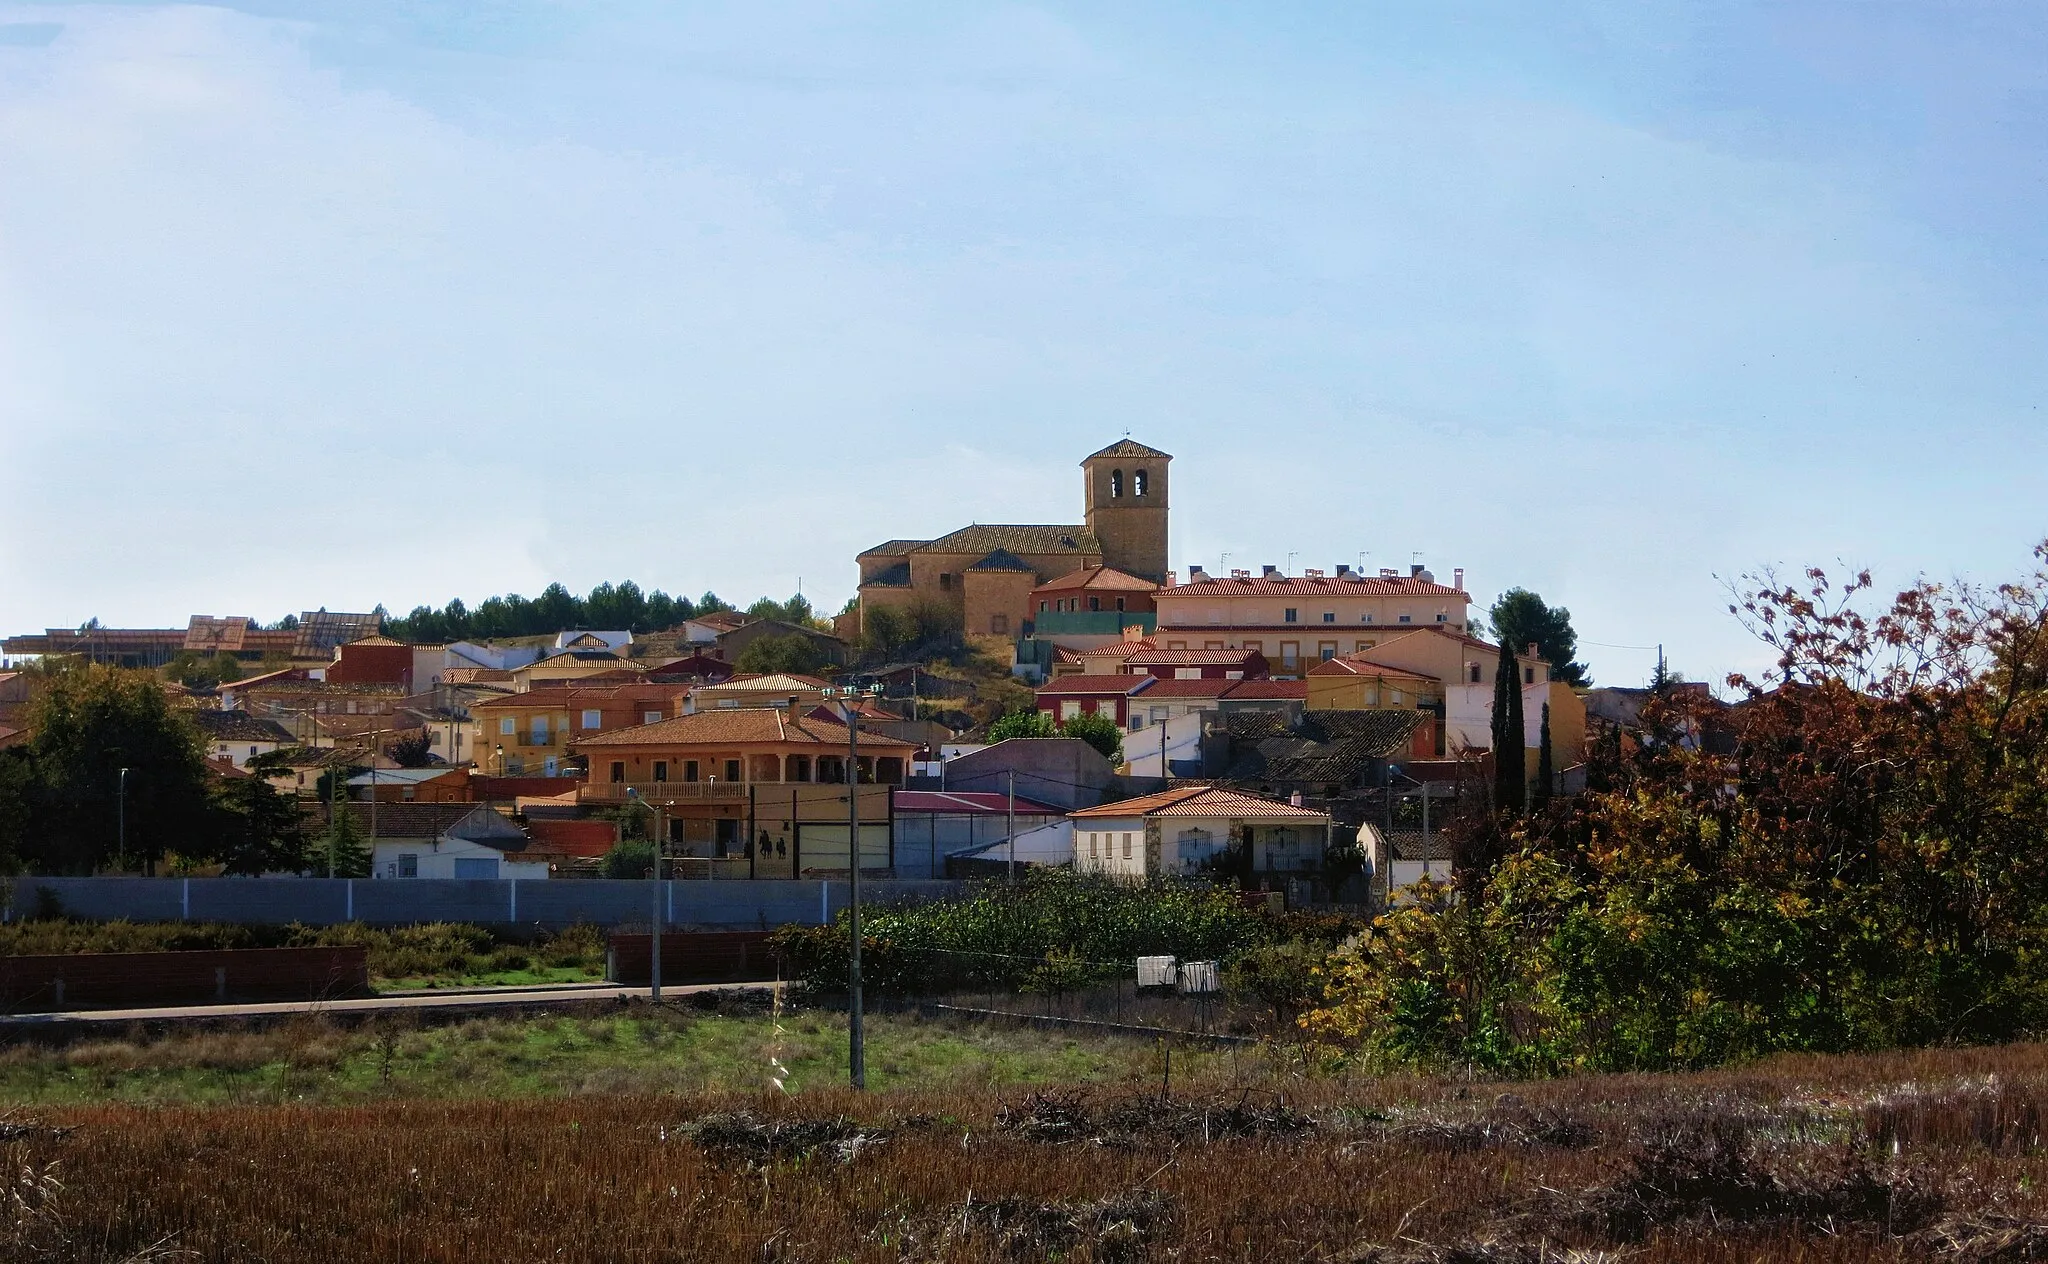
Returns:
(480, 999)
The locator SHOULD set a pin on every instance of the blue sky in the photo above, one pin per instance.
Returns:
(336, 304)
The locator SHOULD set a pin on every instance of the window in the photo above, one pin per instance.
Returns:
(1069, 708)
(593, 719)
(1326, 650)
(1212, 645)
(1406, 618)
(1255, 647)
(798, 768)
(618, 770)
(729, 702)
(1127, 847)
(1528, 675)
(507, 726)
(1365, 645)
(1141, 482)
(1292, 615)
(1472, 670)
(1137, 722)
(408, 864)
(1443, 618)
(661, 770)
(1394, 697)
(1290, 653)
(690, 770)
(1119, 603)
(1043, 606)
(1159, 715)
(1187, 673)
(1093, 845)
(650, 717)
(252, 752)
(1116, 484)
(945, 581)
(1329, 616)
(1366, 618)
(1176, 645)
(1094, 604)
(732, 770)
(999, 624)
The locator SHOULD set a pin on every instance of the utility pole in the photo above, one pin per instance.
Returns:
(1010, 827)
(654, 938)
(121, 820)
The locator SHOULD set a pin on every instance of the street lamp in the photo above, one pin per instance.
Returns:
(654, 947)
(121, 819)
(848, 697)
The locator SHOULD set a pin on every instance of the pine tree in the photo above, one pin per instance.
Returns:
(1546, 775)
(1510, 774)
(348, 852)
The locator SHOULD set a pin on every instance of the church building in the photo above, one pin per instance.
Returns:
(987, 571)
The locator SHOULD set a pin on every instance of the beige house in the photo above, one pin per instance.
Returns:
(988, 572)
(1187, 831)
(786, 691)
(1298, 621)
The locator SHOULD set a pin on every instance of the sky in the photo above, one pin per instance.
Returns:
(310, 305)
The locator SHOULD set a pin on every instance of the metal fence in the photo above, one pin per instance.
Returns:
(737, 905)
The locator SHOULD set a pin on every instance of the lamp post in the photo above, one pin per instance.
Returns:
(654, 945)
(848, 697)
(121, 819)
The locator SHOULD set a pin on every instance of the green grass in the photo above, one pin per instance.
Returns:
(640, 1051)
(528, 977)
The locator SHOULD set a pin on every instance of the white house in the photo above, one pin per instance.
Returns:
(478, 843)
(240, 737)
(1184, 830)
(1400, 862)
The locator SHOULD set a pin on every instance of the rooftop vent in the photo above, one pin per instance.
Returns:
(1270, 572)
(1240, 574)
(1344, 571)
(1415, 571)
(1388, 572)
(1313, 573)
(1196, 572)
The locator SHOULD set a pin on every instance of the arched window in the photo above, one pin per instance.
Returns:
(1116, 484)
(1140, 483)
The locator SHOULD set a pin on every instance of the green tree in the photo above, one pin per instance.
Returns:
(631, 858)
(86, 725)
(1022, 724)
(18, 794)
(413, 749)
(1546, 774)
(793, 652)
(255, 830)
(1097, 730)
(1520, 618)
(346, 849)
(1510, 785)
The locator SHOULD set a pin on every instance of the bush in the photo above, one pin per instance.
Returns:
(631, 859)
(1002, 936)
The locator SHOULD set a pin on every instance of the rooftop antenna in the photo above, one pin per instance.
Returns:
(1224, 565)
(1290, 562)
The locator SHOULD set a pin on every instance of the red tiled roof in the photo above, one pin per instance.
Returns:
(1329, 586)
(573, 838)
(1117, 649)
(1199, 801)
(728, 726)
(1190, 689)
(1095, 684)
(1097, 578)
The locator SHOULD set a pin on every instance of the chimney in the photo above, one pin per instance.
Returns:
(1269, 572)
(1458, 578)
(1531, 651)
(1294, 800)
(1172, 580)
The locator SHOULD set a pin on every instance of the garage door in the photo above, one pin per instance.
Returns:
(476, 867)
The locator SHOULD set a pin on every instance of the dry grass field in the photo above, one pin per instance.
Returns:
(1924, 1156)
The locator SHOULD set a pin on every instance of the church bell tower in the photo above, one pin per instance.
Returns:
(1126, 499)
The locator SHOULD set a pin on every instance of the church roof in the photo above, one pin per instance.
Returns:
(981, 539)
(1128, 448)
(1001, 560)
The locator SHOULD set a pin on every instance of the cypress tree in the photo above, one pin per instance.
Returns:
(1546, 775)
(1510, 784)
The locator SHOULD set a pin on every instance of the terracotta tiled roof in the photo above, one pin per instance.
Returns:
(736, 725)
(727, 619)
(1098, 579)
(1328, 586)
(1200, 801)
(1096, 684)
(1129, 448)
(1162, 689)
(892, 548)
(780, 682)
(1246, 690)
(1118, 650)
(897, 576)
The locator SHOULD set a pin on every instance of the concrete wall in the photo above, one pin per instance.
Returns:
(326, 901)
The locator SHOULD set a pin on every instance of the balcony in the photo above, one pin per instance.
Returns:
(659, 792)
